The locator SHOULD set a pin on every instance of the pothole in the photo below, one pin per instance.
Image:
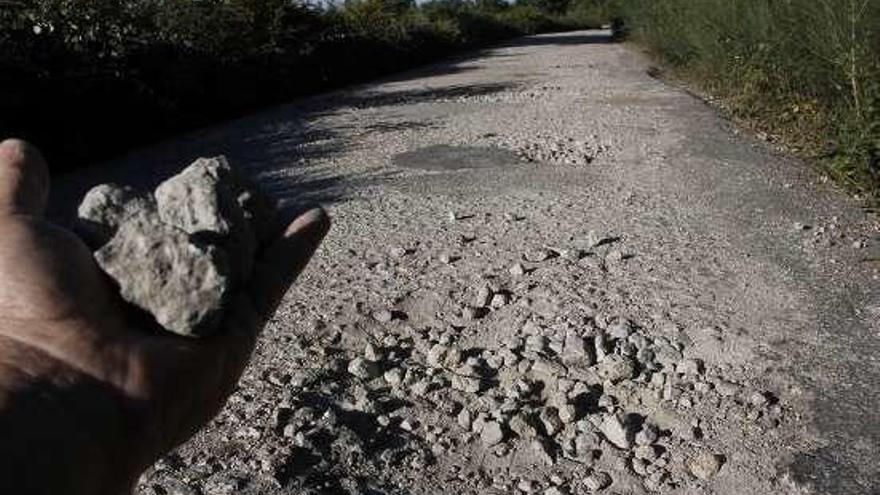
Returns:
(448, 157)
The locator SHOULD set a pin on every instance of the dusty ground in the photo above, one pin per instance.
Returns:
(730, 297)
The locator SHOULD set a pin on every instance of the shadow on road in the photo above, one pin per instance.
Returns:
(589, 38)
(282, 150)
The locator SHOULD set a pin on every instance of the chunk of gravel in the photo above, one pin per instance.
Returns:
(491, 434)
(181, 283)
(616, 432)
(364, 369)
(179, 254)
(598, 481)
(705, 465)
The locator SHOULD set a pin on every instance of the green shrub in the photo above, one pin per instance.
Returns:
(806, 69)
(89, 78)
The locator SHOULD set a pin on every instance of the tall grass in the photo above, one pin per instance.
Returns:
(807, 70)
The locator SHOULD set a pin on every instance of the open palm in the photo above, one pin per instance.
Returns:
(90, 394)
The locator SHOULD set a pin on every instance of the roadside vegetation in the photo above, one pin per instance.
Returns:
(86, 79)
(807, 71)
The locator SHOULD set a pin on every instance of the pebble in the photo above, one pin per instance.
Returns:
(620, 329)
(598, 481)
(726, 389)
(523, 427)
(550, 419)
(484, 297)
(364, 369)
(491, 434)
(692, 367)
(647, 435)
(394, 377)
(575, 351)
(758, 399)
(465, 419)
(538, 255)
(616, 368)
(383, 316)
(527, 486)
(543, 448)
(568, 413)
(705, 465)
(615, 431)
(555, 490)
(500, 300)
(372, 353)
(646, 452)
(517, 270)
(467, 384)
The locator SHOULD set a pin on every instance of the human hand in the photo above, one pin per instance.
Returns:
(90, 397)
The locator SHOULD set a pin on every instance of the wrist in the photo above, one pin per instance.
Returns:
(63, 431)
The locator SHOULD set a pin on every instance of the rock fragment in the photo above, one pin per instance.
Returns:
(105, 207)
(484, 297)
(179, 253)
(598, 481)
(616, 368)
(363, 369)
(615, 431)
(491, 434)
(647, 435)
(705, 465)
(184, 285)
(204, 200)
(576, 351)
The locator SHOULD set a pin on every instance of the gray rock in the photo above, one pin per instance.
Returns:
(575, 351)
(491, 434)
(598, 481)
(393, 377)
(159, 269)
(179, 253)
(536, 343)
(692, 367)
(568, 413)
(523, 426)
(585, 444)
(621, 329)
(616, 432)
(705, 465)
(500, 300)
(363, 369)
(647, 435)
(383, 315)
(464, 418)
(484, 297)
(373, 353)
(203, 200)
(105, 207)
(544, 450)
(467, 384)
(437, 355)
(550, 419)
(616, 368)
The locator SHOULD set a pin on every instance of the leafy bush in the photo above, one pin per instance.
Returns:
(807, 69)
(89, 78)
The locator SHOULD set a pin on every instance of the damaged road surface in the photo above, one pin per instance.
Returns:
(548, 273)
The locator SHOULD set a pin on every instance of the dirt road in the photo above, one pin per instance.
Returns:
(549, 273)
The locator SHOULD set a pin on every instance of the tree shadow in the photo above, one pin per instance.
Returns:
(366, 98)
(562, 39)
